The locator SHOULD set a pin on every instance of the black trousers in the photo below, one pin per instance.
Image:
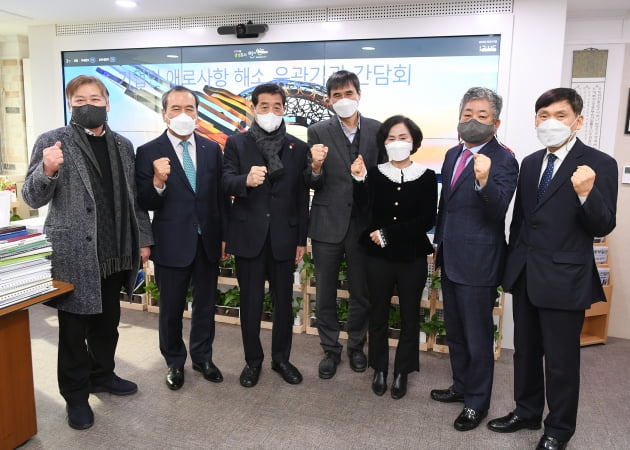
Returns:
(470, 336)
(173, 283)
(327, 258)
(87, 344)
(251, 274)
(410, 278)
(552, 336)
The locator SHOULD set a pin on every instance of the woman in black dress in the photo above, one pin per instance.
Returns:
(401, 196)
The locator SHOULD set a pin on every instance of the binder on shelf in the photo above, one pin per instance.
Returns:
(26, 293)
(11, 229)
(4, 236)
(24, 258)
(601, 254)
(24, 282)
(43, 265)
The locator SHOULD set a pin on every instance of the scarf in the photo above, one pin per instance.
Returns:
(270, 145)
(113, 214)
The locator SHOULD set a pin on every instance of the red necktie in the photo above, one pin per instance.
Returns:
(466, 154)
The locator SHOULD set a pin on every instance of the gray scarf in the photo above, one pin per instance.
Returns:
(113, 215)
(270, 145)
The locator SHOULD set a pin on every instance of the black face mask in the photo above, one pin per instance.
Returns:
(474, 131)
(89, 116)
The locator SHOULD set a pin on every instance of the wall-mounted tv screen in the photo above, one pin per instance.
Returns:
(423, 78)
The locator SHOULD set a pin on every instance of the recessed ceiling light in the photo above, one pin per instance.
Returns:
(172, 56)
(126, 3)
(368, 48)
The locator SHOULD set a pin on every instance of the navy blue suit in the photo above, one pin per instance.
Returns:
(552, 275)
(266, 225)
(182, 255)
(470, 234)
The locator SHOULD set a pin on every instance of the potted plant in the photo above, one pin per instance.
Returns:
(308, 269)
(342, 277)
(497, 301)
(297, 307)
(267, 313)
(313, 310)
(227, 267)
(436, 284)
(394, 322)
(436, 327)
(153, 294)
(342, 313)
(423, 333)
(228, 302)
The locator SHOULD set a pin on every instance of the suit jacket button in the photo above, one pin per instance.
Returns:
(267, 215)
(89, 238)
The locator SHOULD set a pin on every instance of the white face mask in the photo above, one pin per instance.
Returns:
(553, 133)
(269, 122)
(398, 150)
(182, 125)
(345, 107)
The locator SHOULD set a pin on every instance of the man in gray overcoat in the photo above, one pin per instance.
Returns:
(99, 236)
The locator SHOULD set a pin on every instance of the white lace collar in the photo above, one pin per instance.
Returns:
(409, 173)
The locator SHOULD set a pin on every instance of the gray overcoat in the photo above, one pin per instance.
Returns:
(71, 222)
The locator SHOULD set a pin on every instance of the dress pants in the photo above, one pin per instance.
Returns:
(470, 336)
(410, 278)
(327, 258)
(251, 274)
(87, 344)
(173, 283)
(552, 335)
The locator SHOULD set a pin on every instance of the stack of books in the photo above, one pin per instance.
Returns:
(25, 269)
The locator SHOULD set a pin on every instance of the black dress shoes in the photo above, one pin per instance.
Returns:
(116, 386)
(249, 376)
(175, 378)
(288, 371)
(358, 360)
(209, 370)
(469, 419)
(550, 443)
(80, 417)
(512, 423)
(399, 386)
(328, 365)
(447, 395)
(379, 382)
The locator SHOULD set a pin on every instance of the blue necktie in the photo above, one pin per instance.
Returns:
(546, 177)
(189, 167)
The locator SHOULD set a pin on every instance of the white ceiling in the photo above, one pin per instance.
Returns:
(16, 16)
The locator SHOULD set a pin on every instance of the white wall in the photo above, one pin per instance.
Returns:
(611, 33)
(531, 60)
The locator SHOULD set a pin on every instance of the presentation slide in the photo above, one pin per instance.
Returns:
(422, 78)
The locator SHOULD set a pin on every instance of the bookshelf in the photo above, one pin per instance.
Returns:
(595, 328)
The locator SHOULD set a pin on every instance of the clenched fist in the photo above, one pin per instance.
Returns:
(358, 167)
(256, 176)
(318, 155)
(53, 159)
(482, 166)
(583, 180)
(161, 171)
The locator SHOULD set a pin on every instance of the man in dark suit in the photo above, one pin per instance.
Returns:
(264, 172)
(179, 178)
(478, 181)
(336, 222)
(567, 195)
